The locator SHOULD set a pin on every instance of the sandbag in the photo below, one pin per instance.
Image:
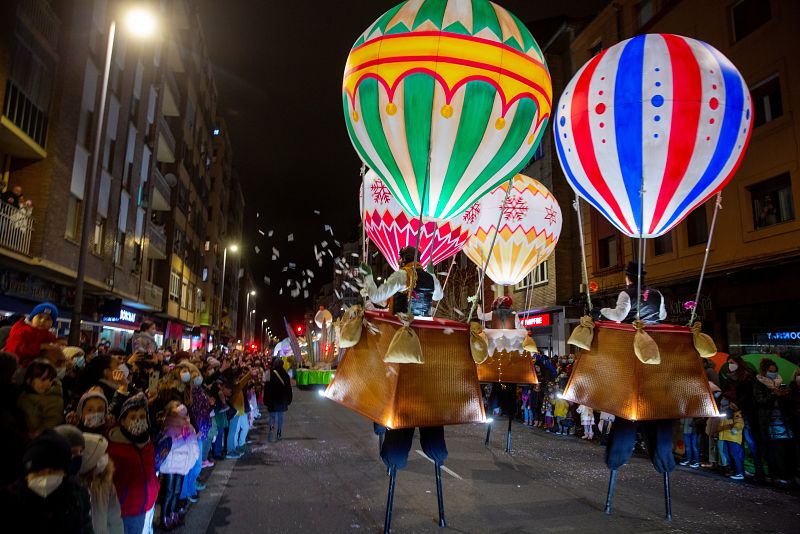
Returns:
(583, 334)
(529, 345)
(351, 326)
(705, 346)
(478, 344)
(405, 346)
(644, 346)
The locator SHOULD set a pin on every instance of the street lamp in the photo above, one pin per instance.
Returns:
(246, 325)
(234, 248)
(140, 23)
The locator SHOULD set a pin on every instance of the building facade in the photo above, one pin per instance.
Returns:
(749, 297)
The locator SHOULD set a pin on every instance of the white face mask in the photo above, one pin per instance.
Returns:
(732, 367)
(94, 420)
(45, 485)
(102, 463)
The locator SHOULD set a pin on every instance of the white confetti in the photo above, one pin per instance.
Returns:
(284, 269)
(292, 265)
(330, 252)
(288, 283)
(266, 280)
(319, 262)
(442, 273)
(324, 244)
(459, 312)
(316, 212)
(258, 215)
(375, 253)
(275, 252)
(290, 238)
(269, 234)
(257, 249)
(280, 292)
(305, 294)
(261, 232)
(336, 292)
(337, 243)
(354, 254)
(310, 273)
(447, 331)
(274, 257)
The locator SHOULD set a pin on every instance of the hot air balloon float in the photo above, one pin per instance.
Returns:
(444, 100)
(647, 131)
(518, 228)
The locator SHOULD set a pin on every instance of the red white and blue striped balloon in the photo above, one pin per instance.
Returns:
(663, 113)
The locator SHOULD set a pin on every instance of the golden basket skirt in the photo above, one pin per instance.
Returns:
(514, 367)
(611, 378)
(442, 391)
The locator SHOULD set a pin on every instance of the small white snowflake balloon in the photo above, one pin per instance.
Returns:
(392, 229)
(530, 225)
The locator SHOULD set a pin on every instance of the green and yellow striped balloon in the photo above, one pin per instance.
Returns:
(445, 99)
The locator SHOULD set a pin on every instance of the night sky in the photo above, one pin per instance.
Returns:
(278, 67)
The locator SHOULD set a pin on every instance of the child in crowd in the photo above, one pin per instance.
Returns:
(587, 421)
(690, 440)
(547, 410)
(97, 476)
(731, 430)
(527, 411)
(180, 460)
(30, 336)
(41, 400)
(560, 409)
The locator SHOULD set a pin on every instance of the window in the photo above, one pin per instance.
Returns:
(537, 277)
(184, 294)
(697, 227)
(608, 243)
(74, 207)
(108, 156)
(644, 12)
(88, 127)
(662, 244)
(748, 15)
(135, 108)
(772, 201)
(767, 101)
(174, 286)
(119, 250)
(97, 241)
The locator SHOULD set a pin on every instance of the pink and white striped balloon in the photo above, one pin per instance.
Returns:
(391, 229)
(663, 113)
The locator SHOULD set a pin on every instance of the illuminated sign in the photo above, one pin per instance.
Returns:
(783, 336)
(535, 320)
(125, 316)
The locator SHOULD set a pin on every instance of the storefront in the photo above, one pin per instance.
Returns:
(119, 328)
(546, 327)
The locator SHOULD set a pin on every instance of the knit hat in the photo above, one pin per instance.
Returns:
(72, 352)
(71, 433)
(134, 403)
(96, 446)
(45, 307)
(49, 450)
(91, 394)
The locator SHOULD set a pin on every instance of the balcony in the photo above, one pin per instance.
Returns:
(40, 17)
(172, 95)
(166, 142)
(16, 227)
(156, 242)
(161, 191)
(153, 295)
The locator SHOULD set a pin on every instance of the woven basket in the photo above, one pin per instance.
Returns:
(442, 391)
(611, 378)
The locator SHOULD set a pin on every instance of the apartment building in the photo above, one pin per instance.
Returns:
(750, 295)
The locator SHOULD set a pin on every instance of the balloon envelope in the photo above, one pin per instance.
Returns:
(529, 230)
(392, 229)
(664, 113)
(445, 99)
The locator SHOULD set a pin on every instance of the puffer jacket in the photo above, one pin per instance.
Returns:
(185, 451)
(134, 473)
(25, 341)
(732, 427)
(42, 410)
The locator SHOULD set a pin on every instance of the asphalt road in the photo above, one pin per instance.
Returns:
(326, 476)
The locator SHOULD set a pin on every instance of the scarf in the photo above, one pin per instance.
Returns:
(770, 383)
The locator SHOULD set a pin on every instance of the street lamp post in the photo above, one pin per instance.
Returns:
(142, 24)
(233, 248)
(246, 324)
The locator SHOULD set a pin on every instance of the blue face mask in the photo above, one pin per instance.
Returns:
(772, 376)
(80, 361)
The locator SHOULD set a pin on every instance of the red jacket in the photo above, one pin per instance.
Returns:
(25, 341)
(134, 474)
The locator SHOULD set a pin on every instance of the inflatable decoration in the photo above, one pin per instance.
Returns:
(392, 229)
(661, 113)
(445, 100)
(529, 230)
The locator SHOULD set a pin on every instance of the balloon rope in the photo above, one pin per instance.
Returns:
(413, 282)
(717, 207)
(640, 258)
(444, 286)
(491, 249)
(364, 258)
(577, 206)
(483, 303)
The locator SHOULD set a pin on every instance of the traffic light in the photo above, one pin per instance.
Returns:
(253, 346)
(299, 329)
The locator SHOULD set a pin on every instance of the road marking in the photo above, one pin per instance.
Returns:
(445, 469)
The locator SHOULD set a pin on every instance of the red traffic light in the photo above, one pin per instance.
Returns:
(299, 329)
(253, 346)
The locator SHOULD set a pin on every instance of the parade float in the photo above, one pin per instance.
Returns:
(647, 131)
(444, 101)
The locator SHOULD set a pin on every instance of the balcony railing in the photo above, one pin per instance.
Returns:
(161, 191)
(16, 226)
(42, 18)
(168, 140)
(158, 242)
(153, 295)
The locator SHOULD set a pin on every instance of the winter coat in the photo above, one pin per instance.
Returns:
(65, 511)
(278, 391)
(42, 410)
(587, 415)
(185, 451)
(12, 429)
(237, 397)
(200, 410)
(134, 473)
(561, 408)
(732, 427)
(106, 512)
(773, 413)
(143, 342)
(25, 341)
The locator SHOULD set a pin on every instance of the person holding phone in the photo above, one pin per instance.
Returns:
(773, 401)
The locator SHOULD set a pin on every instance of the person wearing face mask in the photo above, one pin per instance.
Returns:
(731, 430)
(200, 417)
(41, 401)
(45, 500)
(180, 460)
(92, 412)
(76, 443)
(97, 476)
(133, 454)
(771, 396)
(737, 380)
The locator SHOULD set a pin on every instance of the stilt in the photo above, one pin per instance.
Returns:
(610, 494)
(387, 523)
(488, 434)
(440, 497)
(508, 434)
(667, 498)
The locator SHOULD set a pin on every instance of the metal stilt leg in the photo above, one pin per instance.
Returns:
(387, 523)
(440, 497)
(488, 434)
(508, 434)
(610, 494)
(667, 497)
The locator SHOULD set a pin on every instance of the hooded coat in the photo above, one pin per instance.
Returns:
(134, 473)
(26, 341)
